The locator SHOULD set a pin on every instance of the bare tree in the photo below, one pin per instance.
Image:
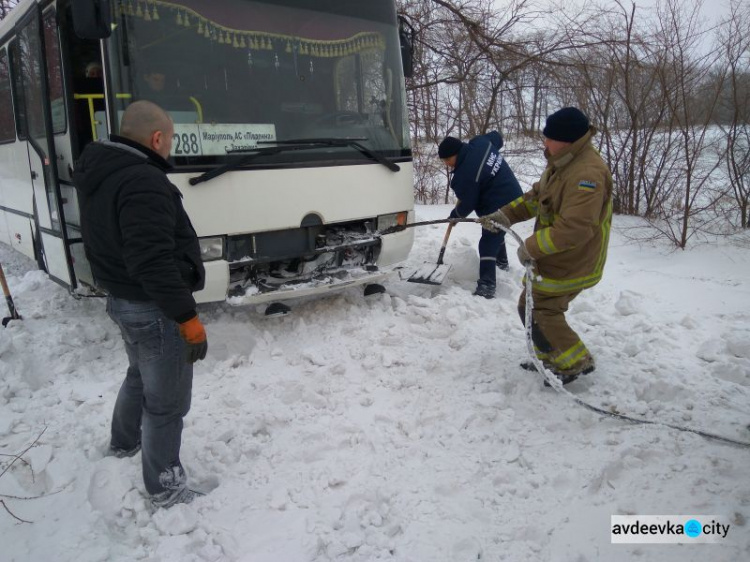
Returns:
(736, 102)
(691, 94)
(617, 81)
(470, 72)
(6, 6)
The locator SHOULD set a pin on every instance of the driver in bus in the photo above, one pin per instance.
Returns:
(155, 80)
(158, 86)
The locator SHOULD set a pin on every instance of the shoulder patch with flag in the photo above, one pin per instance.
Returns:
(586, 185)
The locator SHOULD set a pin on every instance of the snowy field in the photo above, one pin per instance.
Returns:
(394, 427)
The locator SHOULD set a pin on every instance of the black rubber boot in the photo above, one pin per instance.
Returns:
(484, 290)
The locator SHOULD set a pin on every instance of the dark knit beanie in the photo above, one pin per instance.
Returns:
(566, 125)
(450, 146)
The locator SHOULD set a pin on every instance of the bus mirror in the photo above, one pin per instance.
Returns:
(406, 38)
(92, 19)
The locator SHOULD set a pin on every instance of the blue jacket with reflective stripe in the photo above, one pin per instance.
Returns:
(482, 180)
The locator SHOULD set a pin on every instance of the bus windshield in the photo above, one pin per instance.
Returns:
(235, 73)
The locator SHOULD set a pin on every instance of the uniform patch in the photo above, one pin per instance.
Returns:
(586, 185)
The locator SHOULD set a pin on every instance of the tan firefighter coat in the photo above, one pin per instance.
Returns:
(572, 204)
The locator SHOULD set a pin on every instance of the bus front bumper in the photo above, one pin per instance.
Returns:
(394, 250)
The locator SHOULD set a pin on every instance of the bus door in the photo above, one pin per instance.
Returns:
(37, 126)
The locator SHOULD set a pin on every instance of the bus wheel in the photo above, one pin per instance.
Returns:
(374, 289)
(277, 309)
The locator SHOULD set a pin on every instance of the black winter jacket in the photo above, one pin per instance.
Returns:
(137, 236)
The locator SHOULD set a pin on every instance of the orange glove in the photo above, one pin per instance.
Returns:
(194, 335)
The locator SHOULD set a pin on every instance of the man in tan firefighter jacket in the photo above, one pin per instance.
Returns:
(572, 205)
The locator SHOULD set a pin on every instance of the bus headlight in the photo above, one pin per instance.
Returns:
(212, 248)
(394, 219)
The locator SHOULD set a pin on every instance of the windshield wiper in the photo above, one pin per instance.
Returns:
(289, 145)
(341, 141)
(253, 154)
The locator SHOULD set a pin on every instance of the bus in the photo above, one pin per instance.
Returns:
(291, 146)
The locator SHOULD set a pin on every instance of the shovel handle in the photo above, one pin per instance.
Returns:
(445, 243)
(8, 299)
(4, 283)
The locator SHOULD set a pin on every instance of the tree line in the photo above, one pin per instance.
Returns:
(669, 95)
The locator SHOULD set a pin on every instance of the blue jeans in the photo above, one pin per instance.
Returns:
(491, 252)
(155, 394)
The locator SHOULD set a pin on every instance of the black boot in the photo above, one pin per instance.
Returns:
(484, 290)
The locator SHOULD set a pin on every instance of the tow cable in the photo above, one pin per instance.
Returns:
(549, 377)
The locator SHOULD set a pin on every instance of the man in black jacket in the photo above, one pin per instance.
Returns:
(145, 254)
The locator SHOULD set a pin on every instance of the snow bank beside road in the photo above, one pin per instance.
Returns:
(397, 426)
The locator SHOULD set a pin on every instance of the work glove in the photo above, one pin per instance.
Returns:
(454, 214)
(194, 335)
(490, 222)
(524, 256)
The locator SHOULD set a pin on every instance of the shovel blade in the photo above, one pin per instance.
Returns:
(430, 274)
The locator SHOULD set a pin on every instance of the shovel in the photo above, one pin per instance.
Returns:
(11, 307)
(434, 273)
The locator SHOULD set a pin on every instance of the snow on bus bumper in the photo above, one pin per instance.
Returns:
(332, 282)
(394, 249)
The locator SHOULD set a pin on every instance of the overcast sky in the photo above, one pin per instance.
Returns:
(711, 10)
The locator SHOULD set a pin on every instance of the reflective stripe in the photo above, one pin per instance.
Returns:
(531, 206)
(487, 259)
(562, 286)
(544, 240)
(571, 356)
(547, 285)
(484, 161)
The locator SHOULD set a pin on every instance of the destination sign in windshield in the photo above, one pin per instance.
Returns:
(207, 139)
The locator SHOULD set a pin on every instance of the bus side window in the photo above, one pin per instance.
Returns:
(19, 105)
(54, 74)
(7, 127)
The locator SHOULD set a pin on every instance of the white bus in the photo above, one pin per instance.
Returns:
(291, 144)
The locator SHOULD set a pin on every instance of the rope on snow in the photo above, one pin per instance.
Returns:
(551, 379)
(555, 383)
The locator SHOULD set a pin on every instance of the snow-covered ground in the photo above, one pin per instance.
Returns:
(394, 427)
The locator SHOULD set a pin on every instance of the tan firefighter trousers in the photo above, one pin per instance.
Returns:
(555, 342)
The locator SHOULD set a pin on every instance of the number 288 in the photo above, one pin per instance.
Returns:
(185, 144)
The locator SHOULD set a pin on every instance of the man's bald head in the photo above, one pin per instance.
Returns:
(148, 124)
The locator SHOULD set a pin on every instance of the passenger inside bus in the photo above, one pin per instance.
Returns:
(94, 70)
(84, 58)
(88, 87)
(165, 90)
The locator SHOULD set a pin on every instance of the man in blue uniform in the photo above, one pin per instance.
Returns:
(483, 182)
